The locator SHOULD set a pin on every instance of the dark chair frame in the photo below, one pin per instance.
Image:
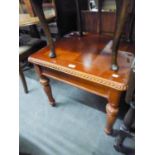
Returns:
(35, 47)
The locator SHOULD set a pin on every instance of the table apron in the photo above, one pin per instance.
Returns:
(83, 84)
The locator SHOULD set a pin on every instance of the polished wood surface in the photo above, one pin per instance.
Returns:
(85, 54)
(121, 19)
(27, 20)
(85, 62)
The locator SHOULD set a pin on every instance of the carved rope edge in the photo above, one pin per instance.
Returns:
(86, 76)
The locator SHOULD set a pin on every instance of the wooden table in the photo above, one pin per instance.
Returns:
(82, 62)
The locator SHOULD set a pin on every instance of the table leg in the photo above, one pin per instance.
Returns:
(45, 83)
(112, 109)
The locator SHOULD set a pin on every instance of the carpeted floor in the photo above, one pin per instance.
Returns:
(74, 127)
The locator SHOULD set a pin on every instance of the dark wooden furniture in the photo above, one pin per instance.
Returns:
(125, 130)
(129, 26)
(67, 15)
(84, 60)
(90, 20)
(31, 20)
(34, 44)
(129, 119)
(25, 50)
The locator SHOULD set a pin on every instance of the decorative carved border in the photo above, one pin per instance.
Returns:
(79, 74)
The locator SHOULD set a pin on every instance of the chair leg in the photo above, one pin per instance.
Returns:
(22, 77)
(121, 18)
(125, 127)
(37, 5)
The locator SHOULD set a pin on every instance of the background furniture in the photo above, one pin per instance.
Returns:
(28, 18)
(90, 19)
(67, 15)
(29, 45)
(129, 119)
(26, 48)
(29, 8)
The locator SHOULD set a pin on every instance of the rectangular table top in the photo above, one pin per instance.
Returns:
(89, 58)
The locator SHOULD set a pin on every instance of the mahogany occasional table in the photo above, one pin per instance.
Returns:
(82, 62)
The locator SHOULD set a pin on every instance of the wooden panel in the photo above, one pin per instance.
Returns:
(90, 20)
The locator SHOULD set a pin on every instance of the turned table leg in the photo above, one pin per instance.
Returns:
(112, 109)
(45, 83)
